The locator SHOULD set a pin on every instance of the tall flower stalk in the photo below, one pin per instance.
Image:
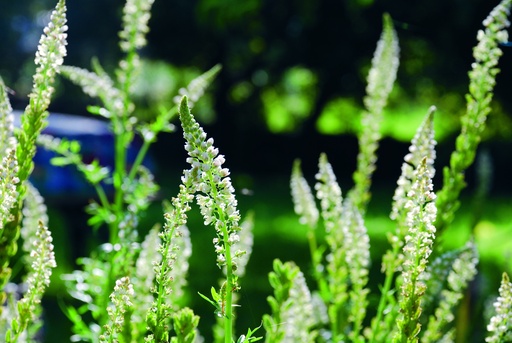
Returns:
(380, 82)
(218, 207)
(329, 193)
(42, 261)
(482, 79)
(420, 151)
(48, 59)
(159, 315)
(421, 214)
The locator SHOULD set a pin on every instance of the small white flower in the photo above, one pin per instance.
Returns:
(501, 322)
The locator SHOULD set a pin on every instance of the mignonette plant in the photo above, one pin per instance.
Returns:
(130, 289)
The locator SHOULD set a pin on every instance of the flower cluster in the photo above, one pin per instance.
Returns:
(195, 89)
(216, 196)
(8, 161)
(329, 193)
(41, 262)
(421, 214)
(183, 251)
(34, 211)
(170, 251)
(303, 201)
(349, 258)
(96, 85)
(245, 243)
(136, 14)
(143, 281)
(421, 152)
(49, 57)
(121, 299)
(500, 326)
(357, 241)
(292, 316)
(422, 147)
(6, 120)
(297, 315)
(420, 217)
(462, 271)
(8, 182)
(380, 81)
(482, 79)
(385, 63)
(357, 257)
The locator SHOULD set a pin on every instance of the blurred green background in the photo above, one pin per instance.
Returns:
(291, 87)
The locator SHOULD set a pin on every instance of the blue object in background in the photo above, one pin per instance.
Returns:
(96, 141)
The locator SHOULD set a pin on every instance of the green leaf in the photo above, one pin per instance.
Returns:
(208, 299)
(60, 161)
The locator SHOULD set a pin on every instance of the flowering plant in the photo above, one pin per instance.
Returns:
(131, 288)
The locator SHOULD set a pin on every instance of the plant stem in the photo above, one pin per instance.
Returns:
(228, 322)
(102, 196)
(138, 160)
(383, 302)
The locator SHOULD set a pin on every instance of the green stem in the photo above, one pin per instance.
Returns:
(228, 296)
(121, 135)
(312, 250)
(383, 302)
(228, 322)
(102, 196)
(357, 291)
(316, 260)
(119, 173)
(335, 324)
(138, 160)
(121, 141)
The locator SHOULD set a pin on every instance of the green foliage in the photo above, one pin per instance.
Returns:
(185, 324)
(121, 299)
(131, 289)
(291, 101)
(292, 313)
(218, 205)
(339, 116)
